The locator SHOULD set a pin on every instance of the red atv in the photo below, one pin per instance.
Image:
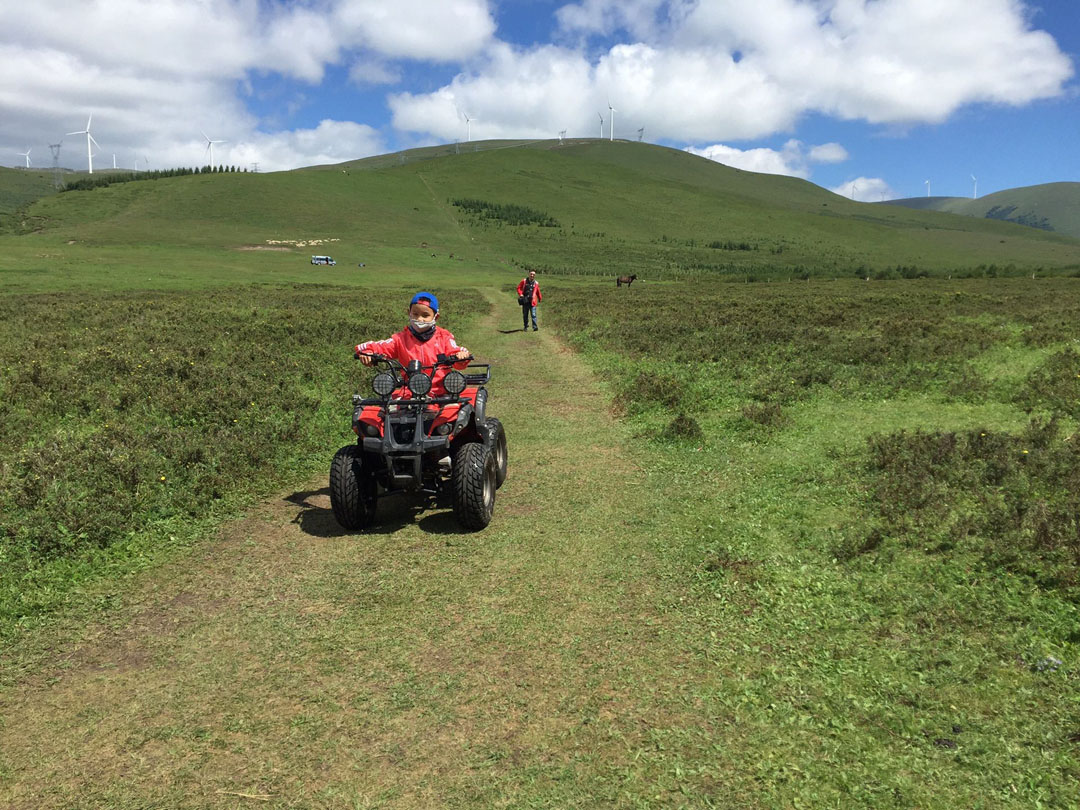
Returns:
(445, 447)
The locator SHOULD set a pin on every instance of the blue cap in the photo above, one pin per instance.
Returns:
(426, 298)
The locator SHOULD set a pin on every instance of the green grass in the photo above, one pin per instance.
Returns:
(635, 207)
(129, 415)
(19, 188)
(879, 652)
(647, 623)
(753, 550)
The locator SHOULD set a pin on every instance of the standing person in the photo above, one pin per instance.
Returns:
(529, 297)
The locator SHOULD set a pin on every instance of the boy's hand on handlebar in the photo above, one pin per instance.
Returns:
(367, 358)
(462, 354)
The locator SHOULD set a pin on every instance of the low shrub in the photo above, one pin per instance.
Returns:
(1055, 385)
(1012, 499)
(768, 414)
(682, 428)
(120, 409)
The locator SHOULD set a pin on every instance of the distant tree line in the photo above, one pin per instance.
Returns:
(510, 214)
(102, 180)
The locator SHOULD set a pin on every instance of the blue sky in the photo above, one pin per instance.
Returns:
(870, 98)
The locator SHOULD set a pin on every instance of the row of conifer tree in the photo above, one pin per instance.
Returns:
(89, 182)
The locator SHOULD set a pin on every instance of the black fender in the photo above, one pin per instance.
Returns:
(464, 418)
(481, 406)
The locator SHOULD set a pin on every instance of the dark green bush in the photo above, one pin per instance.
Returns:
(1055, 385)
(509, 213)
(119, 409)
(1012, 499)
(683, 428)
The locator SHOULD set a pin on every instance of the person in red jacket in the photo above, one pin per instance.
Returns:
(529, 297)
(421, 340)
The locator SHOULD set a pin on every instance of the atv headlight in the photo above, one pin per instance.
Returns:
(384, 383)
(454, 383)
(419, 384)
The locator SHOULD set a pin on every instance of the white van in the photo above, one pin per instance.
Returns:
(323, 260)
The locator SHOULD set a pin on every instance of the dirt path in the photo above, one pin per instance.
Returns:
(288, 664)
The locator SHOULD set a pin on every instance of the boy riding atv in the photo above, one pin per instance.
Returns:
(427, 431)
(423, 339)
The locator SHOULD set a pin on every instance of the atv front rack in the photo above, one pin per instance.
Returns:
(479, 377)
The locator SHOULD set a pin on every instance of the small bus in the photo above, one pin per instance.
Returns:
(323, 260)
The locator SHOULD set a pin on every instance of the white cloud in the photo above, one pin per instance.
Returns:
(154, 73)
(511, 95)
(865, 189)
(329, 142)
(439, 30)
(790, 160)
(742, 69)
(793, 159)
(642, 19)
(828, 153)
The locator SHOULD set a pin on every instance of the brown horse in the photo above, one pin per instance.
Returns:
(624, 280)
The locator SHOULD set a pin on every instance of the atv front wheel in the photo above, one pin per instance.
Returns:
(473, 477)
(496, 443)
(352, 489)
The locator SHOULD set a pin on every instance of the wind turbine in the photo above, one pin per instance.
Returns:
(468, 127)
(89, 140)
(598, 115)
(611, 127)
(927, 188)
(975, 189)
(26, 155)
(210, 146)
(562, 134)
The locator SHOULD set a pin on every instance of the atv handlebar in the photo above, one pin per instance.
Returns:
(443, 360)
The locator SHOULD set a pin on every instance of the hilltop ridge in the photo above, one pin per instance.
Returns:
(1049, 206)
(605, 206)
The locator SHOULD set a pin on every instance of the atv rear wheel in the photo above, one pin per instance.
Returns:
(473, 477)
(352, 489)
(496, 443)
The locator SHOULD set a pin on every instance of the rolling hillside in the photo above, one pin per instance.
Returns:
(1051, 206)
(20, 187)
(606, 207)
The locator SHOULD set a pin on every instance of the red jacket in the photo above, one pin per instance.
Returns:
(405, 346)
(537, 297)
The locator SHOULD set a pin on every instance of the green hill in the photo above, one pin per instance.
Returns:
(20, 187)
(590, 207)
(1051, 206)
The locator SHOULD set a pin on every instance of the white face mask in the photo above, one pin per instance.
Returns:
(421, 326)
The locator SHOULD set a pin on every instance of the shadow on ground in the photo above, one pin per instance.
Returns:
(393, 512)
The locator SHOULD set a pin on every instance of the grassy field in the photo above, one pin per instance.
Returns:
(787, 544)
(129, 419)
(626, 207)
